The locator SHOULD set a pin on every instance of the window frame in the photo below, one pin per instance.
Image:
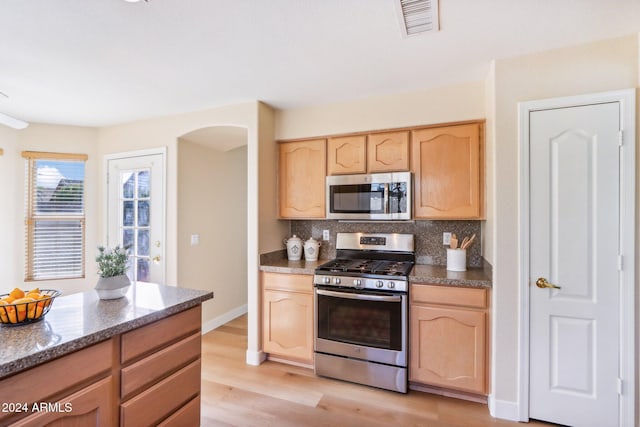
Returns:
(31, 217)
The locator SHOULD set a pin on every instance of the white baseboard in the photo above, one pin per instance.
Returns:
(224, 318)
(255, 358)
(503, 409)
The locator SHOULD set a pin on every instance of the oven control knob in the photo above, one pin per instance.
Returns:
(391, 285)
(379, 284)
(336, 280)
(357, 283)
(326, 280)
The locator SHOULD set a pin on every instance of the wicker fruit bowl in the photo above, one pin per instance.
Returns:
(20, 308)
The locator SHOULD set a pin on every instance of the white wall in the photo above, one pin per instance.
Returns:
(49, 138)
(212, 203)
(11, 212)
(441, 105)
(264, 231)
(602, 66)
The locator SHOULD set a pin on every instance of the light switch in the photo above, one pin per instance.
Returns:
(195, 239)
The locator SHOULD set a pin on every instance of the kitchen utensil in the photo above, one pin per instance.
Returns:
(464, 242)
(469, 242)
(453, 244)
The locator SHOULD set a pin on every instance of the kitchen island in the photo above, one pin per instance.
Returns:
(129, 361)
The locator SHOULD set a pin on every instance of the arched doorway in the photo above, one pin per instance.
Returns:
(212, 219)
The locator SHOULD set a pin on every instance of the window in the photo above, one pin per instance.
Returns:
(55, 221)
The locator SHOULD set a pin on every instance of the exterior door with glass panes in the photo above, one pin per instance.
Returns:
(136, 212)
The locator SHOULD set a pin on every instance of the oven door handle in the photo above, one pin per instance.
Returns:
(364, 297)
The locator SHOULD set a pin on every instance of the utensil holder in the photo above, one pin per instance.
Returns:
(457, 259)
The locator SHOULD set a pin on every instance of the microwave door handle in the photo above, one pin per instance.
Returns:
(386, 198)
(363, 297)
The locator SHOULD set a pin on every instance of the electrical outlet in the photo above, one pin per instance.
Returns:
(195, 239)
(325, 235)
(446, 238)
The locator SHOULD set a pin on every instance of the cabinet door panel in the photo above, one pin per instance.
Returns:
(88, 407)
(388, 152)
(448, 348)
(448, 172)
(288, 324)
(302, 179)
(346, 154)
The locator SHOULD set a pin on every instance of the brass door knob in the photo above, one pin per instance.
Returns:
(156, 259)
(543, 283)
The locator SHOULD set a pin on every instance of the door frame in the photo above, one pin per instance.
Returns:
(627, 359)
(105, 182)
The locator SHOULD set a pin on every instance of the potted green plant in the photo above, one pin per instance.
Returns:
(112, 267)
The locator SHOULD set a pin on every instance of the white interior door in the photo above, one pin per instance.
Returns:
(135, 207)
(574, 244)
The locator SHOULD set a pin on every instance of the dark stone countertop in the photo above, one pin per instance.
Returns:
(79, 320)
(421, 273)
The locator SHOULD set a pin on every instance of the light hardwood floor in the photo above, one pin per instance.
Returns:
(276, 394)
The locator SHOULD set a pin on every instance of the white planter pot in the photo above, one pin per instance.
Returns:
(112, 287)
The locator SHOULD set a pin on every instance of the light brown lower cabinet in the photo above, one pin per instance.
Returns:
(287, 322)
(88, 407)
(147, 376)
(449, 339)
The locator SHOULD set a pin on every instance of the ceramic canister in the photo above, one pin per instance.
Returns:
(311, 249)
(294, 248)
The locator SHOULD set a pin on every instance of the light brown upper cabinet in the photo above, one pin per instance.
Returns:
(388, 152)
(448, 166)
(346, 154)
(302, 179)
(376, 152)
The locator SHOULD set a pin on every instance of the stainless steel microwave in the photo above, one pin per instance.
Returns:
(379, 196)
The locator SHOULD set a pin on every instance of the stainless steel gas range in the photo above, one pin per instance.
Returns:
(361, 310)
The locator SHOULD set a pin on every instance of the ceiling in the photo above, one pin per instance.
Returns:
(103, 62)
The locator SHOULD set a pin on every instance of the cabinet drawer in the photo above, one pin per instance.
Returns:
(466, 297)
(158, 334)
(37, 384)
(162, 399)
(158, 365)
(288, 282)
(90, 406)
(187, 416)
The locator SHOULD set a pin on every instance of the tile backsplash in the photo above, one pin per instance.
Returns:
(428, 236)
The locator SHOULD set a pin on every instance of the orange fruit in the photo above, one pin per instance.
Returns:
(11, 314)
(16, 293)
(20, 303)
(3, 312)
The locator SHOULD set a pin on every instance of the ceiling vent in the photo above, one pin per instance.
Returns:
(418, 16)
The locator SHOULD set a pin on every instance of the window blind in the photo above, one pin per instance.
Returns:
(55, 216)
